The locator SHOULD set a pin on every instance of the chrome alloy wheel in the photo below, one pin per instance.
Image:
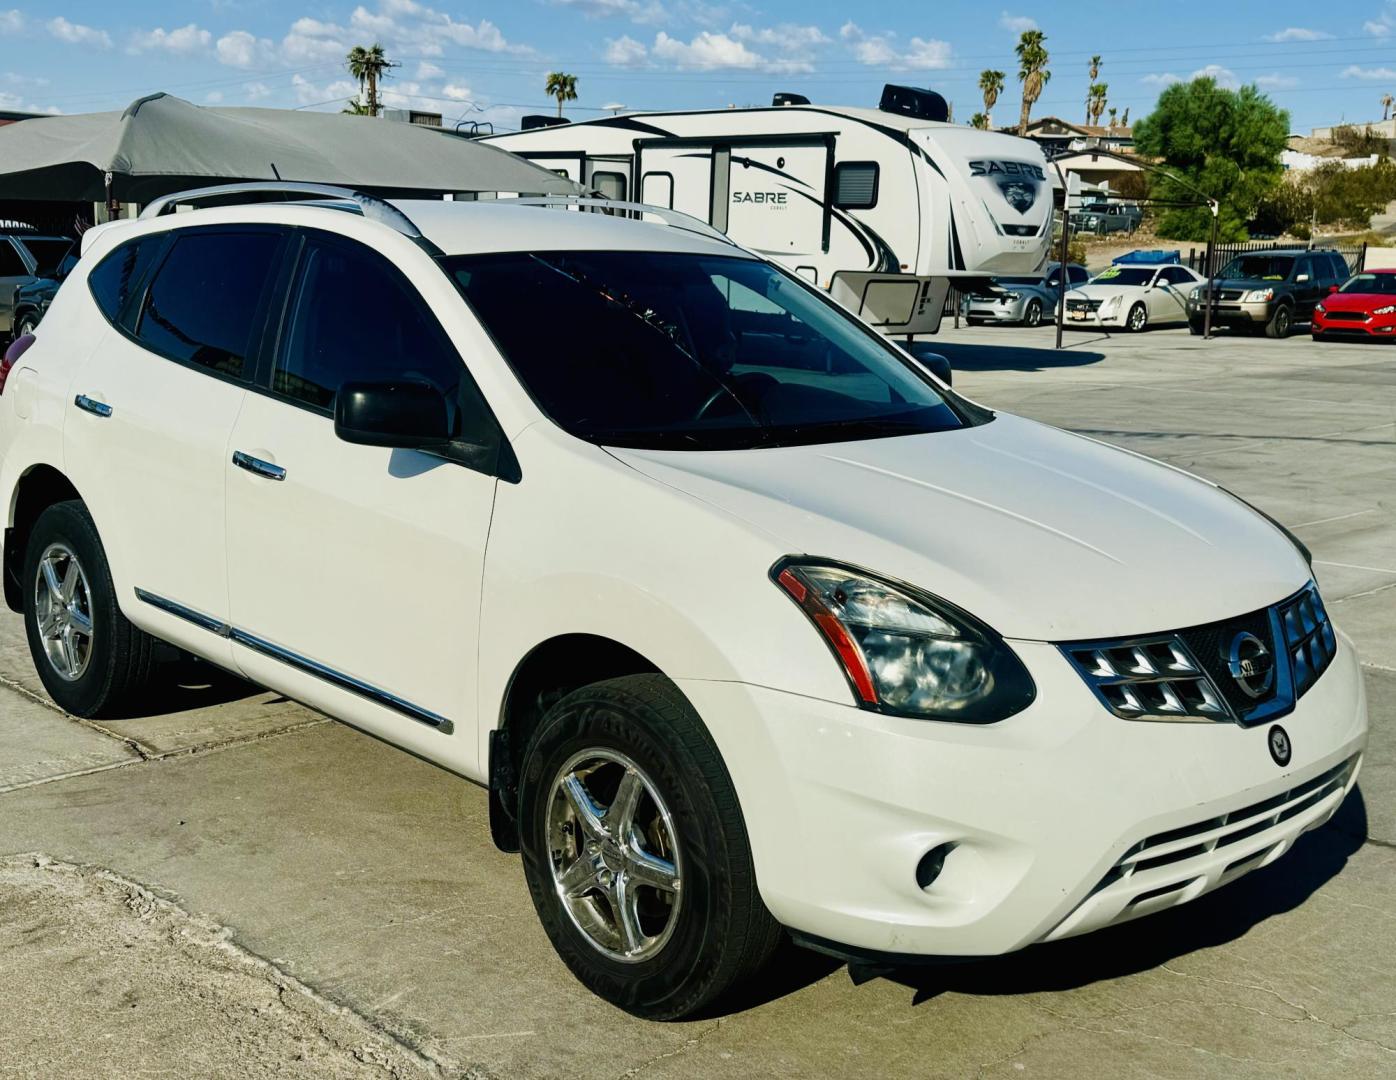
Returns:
(614, 855)
(63, 606)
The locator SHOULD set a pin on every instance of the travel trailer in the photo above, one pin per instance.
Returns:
(883, 207)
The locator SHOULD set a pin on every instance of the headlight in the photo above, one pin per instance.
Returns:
(1321, 309)
(1256, 296)
(905, 652)
(1112, 304)
(1390, 309)
(1196, 293)
(1011, 296)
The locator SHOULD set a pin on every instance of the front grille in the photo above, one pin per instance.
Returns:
(1083, 305)
(1214, 833)
(1245, 670)
(1229, 294)
(1345, 316)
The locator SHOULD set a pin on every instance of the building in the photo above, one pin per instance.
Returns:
(1071, 145)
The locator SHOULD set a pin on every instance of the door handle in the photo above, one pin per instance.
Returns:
(92, 405)
(258, 467)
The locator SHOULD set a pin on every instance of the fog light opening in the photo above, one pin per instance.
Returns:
(931, 864)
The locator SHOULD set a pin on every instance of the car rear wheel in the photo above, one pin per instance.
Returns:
(1138, 318)
(27, 323)
(90, 658)
(1032, 316)
(636, 852)
(1196, 327)
(1280, 322)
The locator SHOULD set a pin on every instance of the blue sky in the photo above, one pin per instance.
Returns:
(487, 59)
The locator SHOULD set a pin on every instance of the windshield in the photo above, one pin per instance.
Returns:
(1125, 275)
(48, 254)
(1021, 280)
(674, 351)
(1259, 267)
(1384, 284)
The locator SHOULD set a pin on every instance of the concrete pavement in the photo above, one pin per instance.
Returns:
(236, 887)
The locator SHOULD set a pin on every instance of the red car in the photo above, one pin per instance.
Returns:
(1364, 307)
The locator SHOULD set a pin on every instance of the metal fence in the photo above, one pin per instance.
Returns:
(1354, 254)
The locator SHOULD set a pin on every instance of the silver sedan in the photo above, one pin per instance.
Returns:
(1026, 300)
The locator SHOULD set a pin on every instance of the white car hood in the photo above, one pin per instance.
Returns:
(1104, 292)
(1042, 534)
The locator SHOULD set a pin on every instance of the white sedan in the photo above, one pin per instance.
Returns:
(1133, 297)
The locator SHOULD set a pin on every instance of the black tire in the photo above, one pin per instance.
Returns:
(1032, 316)
(1195, 327)
(119, 657)
(1281, 322)
(27, 324)
(1138, 319)
(721, 932)
(973, 322)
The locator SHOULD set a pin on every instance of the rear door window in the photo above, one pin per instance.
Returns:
(204, 306)
(11, 265)
(47, 253)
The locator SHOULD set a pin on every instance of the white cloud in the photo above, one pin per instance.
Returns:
(456, 92)
(428, 71)
(407, 24)
(1017, 23)
(18, 104)
(77, 34)
(786, 36)
(1161, 79)
(634, 10)
(239, 49)
(11, 22)
(186, 40)
(310, 93)
(625, 51)
(613, 106)
(882, 50)
(1376, 74)
(1384, 24)
(257, 91)
(706, 52)
(312, 41)
(1276, 81)
(1298, 33)
(1224, 77)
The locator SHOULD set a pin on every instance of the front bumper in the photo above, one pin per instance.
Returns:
(1376, 326)
(995, 310)
(1113, 317)
(1233, 312)
(1043, 810)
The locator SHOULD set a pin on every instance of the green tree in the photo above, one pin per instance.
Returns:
(1090, 89)
(1031, 51)
(369, 66)
(979, 120)
(562, 86)
(991, 86)
(1095, 101)
(1224, 143)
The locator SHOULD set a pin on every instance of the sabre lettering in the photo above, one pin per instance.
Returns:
(1012, 168)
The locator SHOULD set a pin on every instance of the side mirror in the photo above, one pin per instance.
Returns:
(933, 362)
(1332, 289)
(1301, 278)
(403, 415)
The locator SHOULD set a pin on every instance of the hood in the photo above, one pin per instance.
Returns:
(1099, 292)
(1248, 283)
(1042, 534)
(1357, 301)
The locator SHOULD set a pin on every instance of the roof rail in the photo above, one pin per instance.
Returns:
(675, 218)
(370, 206)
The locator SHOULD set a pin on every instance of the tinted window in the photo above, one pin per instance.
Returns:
(1176, 275)
(610, 184)
(1077, 273)
(1125, 275)
(690, 352)
(355, 318)
(1340, 267)
(1382, 284)
(855, 185)
(11, 265)
(48, 253)
(116, 277)
(1262, 267)
(203, 305)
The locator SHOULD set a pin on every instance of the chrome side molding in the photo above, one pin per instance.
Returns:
(302, 663)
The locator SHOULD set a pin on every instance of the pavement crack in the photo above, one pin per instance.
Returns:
(683, 1048)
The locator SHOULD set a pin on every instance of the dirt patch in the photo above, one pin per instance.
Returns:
(103, 978)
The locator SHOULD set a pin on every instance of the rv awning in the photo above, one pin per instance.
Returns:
(162, 144)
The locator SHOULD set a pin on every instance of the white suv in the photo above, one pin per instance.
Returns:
(747, 622)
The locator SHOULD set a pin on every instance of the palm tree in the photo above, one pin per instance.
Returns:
(1386, 103)
(979, 120)
(1124, 120)
(355, 107)
(991, 83)
(1095, 74)
(1112, 118)
(1031, 51)
(1095, 102)
(368, 66)
(561, 86)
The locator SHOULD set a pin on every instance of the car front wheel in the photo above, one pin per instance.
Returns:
(1138, 318)
(636, 852)
(1033, 315)
(26, 325)
(1280, 322)
(89, 657)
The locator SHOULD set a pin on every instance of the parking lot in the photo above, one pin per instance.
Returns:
(239, 886)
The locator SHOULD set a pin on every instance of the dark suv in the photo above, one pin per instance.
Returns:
(1272, 290)
(26, 257)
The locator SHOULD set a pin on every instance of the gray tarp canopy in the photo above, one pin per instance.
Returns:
(162, 144)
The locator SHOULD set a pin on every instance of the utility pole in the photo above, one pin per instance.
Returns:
(1215, 207)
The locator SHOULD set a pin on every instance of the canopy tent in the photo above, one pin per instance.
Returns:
(162, 144)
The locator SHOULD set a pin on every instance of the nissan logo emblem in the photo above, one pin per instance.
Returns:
(1251, 665)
